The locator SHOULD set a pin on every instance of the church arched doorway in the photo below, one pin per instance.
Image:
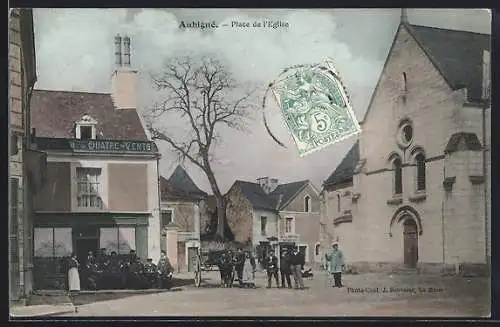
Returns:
(410, 246)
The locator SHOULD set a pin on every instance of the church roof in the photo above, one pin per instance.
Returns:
(458, 55)
(345, 169)
(463, 142)
(276, 200)
(180, 185)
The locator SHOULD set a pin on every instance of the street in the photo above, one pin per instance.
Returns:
(363, 295)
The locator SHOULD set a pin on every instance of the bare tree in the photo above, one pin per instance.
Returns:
(204, 95)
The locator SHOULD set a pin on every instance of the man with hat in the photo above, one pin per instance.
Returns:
(272, 269)
(297, 261)
(285, 269)
(335, 260)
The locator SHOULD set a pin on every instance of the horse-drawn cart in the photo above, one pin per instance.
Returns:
(208, 260)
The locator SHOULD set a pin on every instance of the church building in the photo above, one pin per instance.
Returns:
(414, 191)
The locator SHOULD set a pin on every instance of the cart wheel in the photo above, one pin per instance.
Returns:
(197, 276)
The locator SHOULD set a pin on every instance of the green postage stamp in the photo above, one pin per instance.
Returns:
(315, 106)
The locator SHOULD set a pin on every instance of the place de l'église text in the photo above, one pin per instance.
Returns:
(271, 24)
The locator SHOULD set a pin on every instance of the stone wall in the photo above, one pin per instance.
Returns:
(16, 226)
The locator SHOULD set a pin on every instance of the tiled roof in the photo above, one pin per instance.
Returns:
(458, 55)
(345, 169)
(54, 114)
(288, 192)
(179, 186)
(463, 142)
(273, 201)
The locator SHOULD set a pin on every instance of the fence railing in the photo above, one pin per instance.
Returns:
(50, 273)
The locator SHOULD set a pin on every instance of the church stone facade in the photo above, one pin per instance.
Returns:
(414, 191)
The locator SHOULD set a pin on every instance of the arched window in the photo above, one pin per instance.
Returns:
(398, 176)
(338, 202)
(420, 160)
(307, 203)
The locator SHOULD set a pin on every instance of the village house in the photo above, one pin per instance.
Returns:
(26, 165)
(414, 192)
(182, 204)
(268, 215)
(102, 179)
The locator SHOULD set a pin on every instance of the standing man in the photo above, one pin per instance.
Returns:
(272, 269)
(296, 261)
(165, 270)
(223, 268)
(285, 269)
(335, 260)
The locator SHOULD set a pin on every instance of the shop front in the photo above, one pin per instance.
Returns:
(56, 236)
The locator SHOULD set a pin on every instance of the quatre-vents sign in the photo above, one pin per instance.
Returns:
(96, 145)
(114, 146)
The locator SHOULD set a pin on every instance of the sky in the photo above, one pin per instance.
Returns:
(75, 52)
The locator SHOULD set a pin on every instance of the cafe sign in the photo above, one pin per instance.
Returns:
(111, 146)
(102, 146)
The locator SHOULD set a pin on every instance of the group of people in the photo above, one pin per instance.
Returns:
(109, 271)
(290, 263)
(241, 264)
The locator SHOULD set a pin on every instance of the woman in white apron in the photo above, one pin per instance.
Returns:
(73, 275)
(249, 271)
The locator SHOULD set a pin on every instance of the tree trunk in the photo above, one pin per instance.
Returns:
(221, 216)
(221, 201)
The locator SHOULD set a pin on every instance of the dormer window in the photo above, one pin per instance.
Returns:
(85, 128)
(85, 132)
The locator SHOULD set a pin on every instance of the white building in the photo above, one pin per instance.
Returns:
(414, 191)
(101, 189)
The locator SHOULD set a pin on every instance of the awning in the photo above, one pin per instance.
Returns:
(36, 164)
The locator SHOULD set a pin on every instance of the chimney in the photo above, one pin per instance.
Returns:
(404, 16)
(486, 94)
(267, 184)
(124, 78)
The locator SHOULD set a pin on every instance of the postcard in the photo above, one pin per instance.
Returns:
(250, 162)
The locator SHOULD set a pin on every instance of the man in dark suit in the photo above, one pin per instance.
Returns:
(225, 266)
(285, 269)
(297, 262)
(272, 269)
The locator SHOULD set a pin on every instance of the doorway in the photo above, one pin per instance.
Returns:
(86, 239)
(410, 235)
(83, 246)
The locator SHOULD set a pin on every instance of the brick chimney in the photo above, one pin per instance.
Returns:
(267, 184)
(124, 78)
(486, 75)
